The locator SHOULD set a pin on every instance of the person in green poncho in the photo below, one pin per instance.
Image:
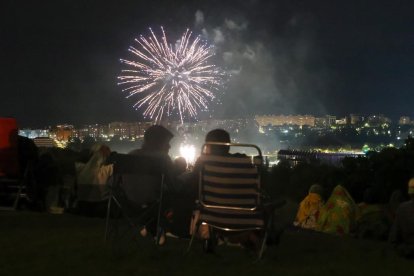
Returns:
(337, 216)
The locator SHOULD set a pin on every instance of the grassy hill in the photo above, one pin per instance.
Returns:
(45, 244)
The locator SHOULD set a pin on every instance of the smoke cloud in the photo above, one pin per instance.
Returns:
(271, 73)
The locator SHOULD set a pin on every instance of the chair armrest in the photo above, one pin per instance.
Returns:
(275, 204)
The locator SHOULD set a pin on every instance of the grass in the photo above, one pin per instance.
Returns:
(45, 244)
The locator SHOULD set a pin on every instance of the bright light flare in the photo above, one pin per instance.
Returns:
(189, 153)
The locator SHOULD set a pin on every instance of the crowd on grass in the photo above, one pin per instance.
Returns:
(77, 182)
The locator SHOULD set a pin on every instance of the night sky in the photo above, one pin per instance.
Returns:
(60, 59)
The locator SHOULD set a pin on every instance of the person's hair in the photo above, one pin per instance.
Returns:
(316, 189)
(155, 137)
(221, 136)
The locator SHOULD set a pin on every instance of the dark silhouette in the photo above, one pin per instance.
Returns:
(156, 145)
(180, 165)
(156, 141)
(402, 232)
(373, 219)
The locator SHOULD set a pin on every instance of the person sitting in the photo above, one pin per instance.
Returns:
(180, 165)
(247, 239)
(337, 216)
(396, 198)
(91, 181)
(215, 135)
(402, 231)
(373, 220)
(156, 145)
(309, 208)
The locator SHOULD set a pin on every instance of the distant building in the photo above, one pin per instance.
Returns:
(280, 120)
(295, 157)
(127, 130)
(33, 133)
(331, 119)
(355, 119)
(62, 132)
(341, 121)
(325, 121)
(377, 120)
(44, 142)
(404, 120)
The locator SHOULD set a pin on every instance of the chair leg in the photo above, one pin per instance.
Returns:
(195, 231)
(262, 247)
(267, 229)
(17, 199)
(158, 233)
(210, 243)
(108, 211)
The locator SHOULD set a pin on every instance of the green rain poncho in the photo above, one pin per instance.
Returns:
(337, 216)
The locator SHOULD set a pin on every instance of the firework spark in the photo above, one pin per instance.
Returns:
(171, 79)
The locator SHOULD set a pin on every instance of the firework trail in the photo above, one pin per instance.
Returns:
(171, 79)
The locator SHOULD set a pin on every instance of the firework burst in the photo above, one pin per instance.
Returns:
(171, 79)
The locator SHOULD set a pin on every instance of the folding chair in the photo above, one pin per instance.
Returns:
(230, 199)
(136, 191)
(13, 182)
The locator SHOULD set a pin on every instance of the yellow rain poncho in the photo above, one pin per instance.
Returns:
(308, 212)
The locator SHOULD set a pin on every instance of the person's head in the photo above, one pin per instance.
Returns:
(99, 153)
(221, 136)
(103, 150)
(370, 196)
(180, 165)
(157, 138)
(396, 198)
(316, 189)
(411, 188)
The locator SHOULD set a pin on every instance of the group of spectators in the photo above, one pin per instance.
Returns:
(181, 189)
(340, 215)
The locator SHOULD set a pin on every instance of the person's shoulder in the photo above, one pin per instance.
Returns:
(79, 166)
(238, 155)
(405, 207)
(406, 204)
(135, 152)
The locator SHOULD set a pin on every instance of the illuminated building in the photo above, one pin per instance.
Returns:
(63, 132)
(126, 130)
(325, 121)
(377, 120)
(280, 120)
(355, 119)
(294, 157)
(404, 120)
(33, 133)
(341, 121)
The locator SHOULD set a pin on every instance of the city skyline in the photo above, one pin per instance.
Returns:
(271, 133)
(285, 57)
(344, 119)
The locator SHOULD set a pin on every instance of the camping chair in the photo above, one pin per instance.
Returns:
(230, 198)
(136, 195)
(13, 181)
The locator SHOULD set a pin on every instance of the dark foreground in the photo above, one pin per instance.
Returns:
(45, 244)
